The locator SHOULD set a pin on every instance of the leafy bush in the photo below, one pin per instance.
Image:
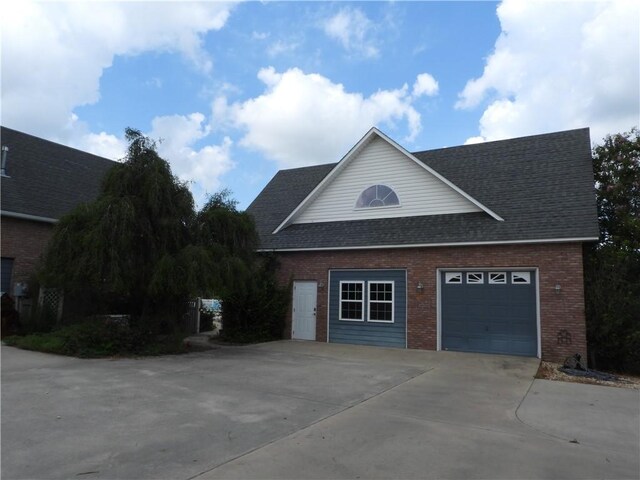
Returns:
(612, 300)
(99, 338)
(255, 312)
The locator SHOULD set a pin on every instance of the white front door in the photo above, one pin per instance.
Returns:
(303, 326)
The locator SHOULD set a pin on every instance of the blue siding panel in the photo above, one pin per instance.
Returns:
(369, 333)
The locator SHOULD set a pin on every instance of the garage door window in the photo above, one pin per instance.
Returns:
(453, 277)
(475, 277)
(523, 278)
(380, 302)
(351, 301)
(497, 277)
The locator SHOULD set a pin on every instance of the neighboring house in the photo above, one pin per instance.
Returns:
(41, 181)
(472, 248)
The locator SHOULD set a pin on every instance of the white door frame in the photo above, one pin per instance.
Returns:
(296, 283)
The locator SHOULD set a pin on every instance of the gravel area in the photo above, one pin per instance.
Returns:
(551, 371)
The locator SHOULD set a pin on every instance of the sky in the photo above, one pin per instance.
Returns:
(233, 92)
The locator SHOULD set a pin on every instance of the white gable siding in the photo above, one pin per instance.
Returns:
(420, 192)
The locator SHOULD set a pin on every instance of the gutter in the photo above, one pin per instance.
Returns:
(26, 216)
(422, 245)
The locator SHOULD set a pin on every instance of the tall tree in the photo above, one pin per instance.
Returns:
(110, 250)
(612, 267)
(617, 173)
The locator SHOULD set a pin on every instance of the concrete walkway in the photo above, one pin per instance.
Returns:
(309, 410)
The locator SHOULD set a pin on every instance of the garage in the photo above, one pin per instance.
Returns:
(489, 311)
(368, 307)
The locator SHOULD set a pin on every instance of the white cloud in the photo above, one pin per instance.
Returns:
(259, 35)
(177, 136)
(279, 47)
(472, 140)
(305, 119)
(53, 54)
(425, 85)
(560, 65)
(102, 144)
(352, 28)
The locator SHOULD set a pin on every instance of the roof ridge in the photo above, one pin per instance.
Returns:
(40, 139)
(504, 140)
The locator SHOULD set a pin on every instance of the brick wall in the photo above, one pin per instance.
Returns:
(24, 241)
(558, 264)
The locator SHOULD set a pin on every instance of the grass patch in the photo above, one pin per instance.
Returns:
(97, 338)
(40, 342)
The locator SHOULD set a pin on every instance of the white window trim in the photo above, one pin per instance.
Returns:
(392, 302)
(524, 275)
(479, 282)
(382, 207)
(340, 300)
(494, 282)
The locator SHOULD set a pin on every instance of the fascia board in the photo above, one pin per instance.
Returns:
(325, 181)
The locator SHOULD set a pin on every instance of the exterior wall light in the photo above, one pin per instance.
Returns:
(321, 285)
(557, 288)
(420, 287)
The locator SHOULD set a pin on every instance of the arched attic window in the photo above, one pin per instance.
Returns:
(377, 196)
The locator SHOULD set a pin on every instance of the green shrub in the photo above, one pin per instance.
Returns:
(99, 338)
(255, 312)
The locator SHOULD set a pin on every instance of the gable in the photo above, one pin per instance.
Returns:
(379, 162)
(542, 186)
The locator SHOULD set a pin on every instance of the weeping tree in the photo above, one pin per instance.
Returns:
(254, 305)
(612, 267)
(140, 248)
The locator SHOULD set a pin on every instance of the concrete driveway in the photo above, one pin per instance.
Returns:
(309, 410)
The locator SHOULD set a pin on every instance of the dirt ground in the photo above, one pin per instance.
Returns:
(551, 371)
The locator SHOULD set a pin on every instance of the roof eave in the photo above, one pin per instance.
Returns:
(441, 244)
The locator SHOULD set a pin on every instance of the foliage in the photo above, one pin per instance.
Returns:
(142, 249)
(99, 338)
(617, 172)
(114, 245)
(10, 317)
(255, 311)
(612, 268)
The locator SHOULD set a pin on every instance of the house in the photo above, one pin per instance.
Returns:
(41, 181)
(472, 248)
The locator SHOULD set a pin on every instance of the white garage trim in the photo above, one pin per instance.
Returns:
(489, 269)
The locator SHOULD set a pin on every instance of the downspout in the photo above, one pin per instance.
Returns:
(5, 152)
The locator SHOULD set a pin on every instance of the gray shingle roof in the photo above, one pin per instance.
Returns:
(46, 179)
(542, 186)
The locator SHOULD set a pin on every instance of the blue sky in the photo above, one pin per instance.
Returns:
(235, 91)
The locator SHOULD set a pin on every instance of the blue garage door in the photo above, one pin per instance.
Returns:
(368, 307)
(489, 311)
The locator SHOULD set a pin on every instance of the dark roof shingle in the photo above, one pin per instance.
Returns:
(542, 186)
(46, 179)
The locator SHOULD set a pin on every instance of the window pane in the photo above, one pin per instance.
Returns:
(351, 310)
(381, 311)
(377, 196)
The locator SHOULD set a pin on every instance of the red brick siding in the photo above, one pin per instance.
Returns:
(24, 241)
(558, 264)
